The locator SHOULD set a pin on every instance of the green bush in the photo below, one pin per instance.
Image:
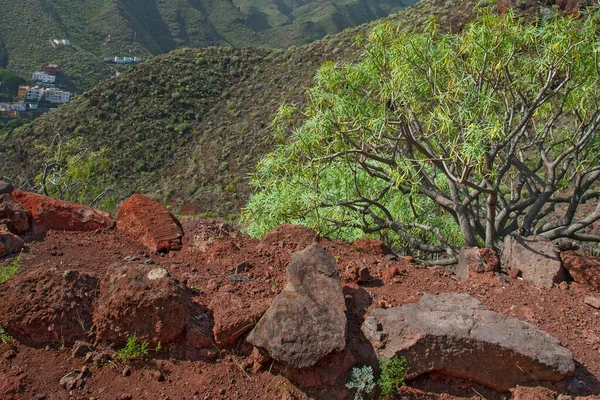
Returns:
(10, 270)
(134, 349)
(392, 375)
(5, 337)
(438, 141)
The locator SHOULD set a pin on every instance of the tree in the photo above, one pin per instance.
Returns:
(75, 173)
(445, 140)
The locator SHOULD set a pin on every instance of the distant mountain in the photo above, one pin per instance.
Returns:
(146, 28)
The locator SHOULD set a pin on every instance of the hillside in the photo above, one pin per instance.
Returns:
(103, 28)
(190, 125)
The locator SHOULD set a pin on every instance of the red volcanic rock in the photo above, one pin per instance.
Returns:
(371, 246)
(44, 307)
(9, 243)
(473, 261)
(583, 269)
(390, 273)
(233, 316)
(61, 215)
(150, 224)
(13, 215)
(290, 237)
(141, 300)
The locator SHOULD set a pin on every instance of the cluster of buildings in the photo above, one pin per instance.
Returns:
(43, 91)
(123, 60)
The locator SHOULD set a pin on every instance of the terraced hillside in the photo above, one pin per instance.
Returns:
(109, 28)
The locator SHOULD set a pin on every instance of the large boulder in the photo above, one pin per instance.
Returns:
(61, 215)
(583, 269)
(13, 215)
(9, 242)
(473, 261)
(150, 224)
(307, 320)
(47, 307)
(457, 335)
(140, 300)
(536, 257)
(234, 315)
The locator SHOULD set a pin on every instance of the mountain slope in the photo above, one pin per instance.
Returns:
(146, 28)
(190, 125)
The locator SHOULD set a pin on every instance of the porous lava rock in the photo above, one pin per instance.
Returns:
(583, 269)
(50, 213)
(150, 224)
(9, 242)
(455, 334)
(47, 307)
(140, 300)
(13, 215)
(536, 257)
(234, 315)
(473, 261)
(307, 320)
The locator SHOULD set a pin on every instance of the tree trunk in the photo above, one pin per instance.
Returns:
(468, 231)
(490, 221)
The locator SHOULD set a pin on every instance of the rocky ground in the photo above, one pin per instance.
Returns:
(202, 294)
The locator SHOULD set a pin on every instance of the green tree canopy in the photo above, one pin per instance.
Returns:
(443, 140)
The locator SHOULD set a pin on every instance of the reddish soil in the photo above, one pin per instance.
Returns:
(212, 252)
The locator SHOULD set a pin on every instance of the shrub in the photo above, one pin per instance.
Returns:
(391, 378)
(10, 270)
(5, 337)
(134, 349)
(362, 381)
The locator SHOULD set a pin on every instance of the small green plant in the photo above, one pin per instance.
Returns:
(5, 337)
(11, 269)
(134, 349)
(391, 378)
(362, 381)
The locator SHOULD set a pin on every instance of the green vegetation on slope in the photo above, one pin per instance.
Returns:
(108, 28)
(188, 127)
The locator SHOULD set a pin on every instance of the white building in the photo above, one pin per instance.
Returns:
(41, 76)
(57, 96)
(35, 94)
(61, 42)
(19, 106)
